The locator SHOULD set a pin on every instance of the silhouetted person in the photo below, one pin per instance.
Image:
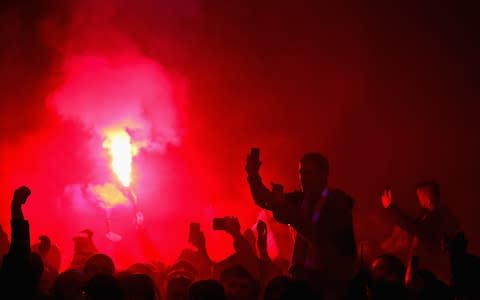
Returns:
(465, 268)
(199, 258)
(239, 284)
(103, 287)
(268, 269)
(182, 269)
(49, 252)
(50, 255)
(276, 288)
(387, 279)
(177, 288)
(21, 270)
(325, 250)
(428, 229)
(244, 254)
(137, 287)
(4, 244)
(84, 248)
(69, 285)
(99, 264)
(206, 290)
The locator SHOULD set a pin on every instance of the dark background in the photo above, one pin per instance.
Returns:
(388, 92)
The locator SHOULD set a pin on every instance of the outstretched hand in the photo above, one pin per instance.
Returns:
(387, 198)
(232, 226)
(20, 195)
(253, 163)
(198, 241)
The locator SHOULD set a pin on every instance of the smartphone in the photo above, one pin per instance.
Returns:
(255, 154)
(193, 232)
(219, 224)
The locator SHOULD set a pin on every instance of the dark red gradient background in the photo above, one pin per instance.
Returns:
(388, 93)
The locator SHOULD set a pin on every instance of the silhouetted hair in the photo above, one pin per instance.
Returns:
(298, 289)
(277, 287)
(177, 285)
(434, 188)
(238, 271)
(99, 260)
(66, 281)
(103, 287)
(137, 286)
(318, 160)
(390, 265)
(206, 290)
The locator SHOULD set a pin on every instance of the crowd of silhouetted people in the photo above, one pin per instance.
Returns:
(325, 263)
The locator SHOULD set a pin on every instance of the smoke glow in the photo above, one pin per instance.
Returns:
(121, 152)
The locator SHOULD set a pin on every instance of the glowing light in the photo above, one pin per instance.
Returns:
(121, 150)
(110, 195)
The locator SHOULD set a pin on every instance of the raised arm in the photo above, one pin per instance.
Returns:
(398, 216)
(244, 251)
(262, 236)
(20, 244)
(16, 271)
(260, 193)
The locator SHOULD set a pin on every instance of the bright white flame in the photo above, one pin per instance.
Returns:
(121, 150)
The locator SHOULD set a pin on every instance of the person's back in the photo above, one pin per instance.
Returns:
(276, 288)
(239, 284)
(137, 287)
(49, 252)
(177, 288)
(99, 264)
(206, 290)
(69, 285)
(103, 287)
(387, 279)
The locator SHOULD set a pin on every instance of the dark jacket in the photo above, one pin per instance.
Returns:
(428, 231)
(331, 234)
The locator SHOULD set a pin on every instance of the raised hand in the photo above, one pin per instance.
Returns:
(253, 163)
(387, 198)
(20, 197)
(232, 226)
(262, 238)
(198, 240)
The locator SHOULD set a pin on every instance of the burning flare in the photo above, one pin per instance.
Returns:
(121, 150)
